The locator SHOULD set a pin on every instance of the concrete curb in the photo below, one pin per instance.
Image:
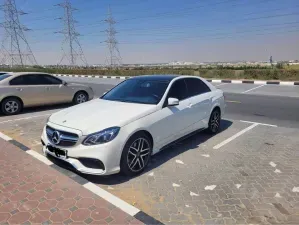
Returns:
(114, 200)
(285, 83)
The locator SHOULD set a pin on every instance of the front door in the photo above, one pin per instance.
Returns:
(59, 93)
(55, 91)
(173, 121)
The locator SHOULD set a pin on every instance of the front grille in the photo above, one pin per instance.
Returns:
(67, 139)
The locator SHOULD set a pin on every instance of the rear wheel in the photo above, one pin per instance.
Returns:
(214, 122)
(136, 154)
(80, 97)
(11, 106)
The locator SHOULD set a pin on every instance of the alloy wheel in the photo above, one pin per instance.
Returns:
(138, 154)
(215, 121)
(11, 107)
(81, 98)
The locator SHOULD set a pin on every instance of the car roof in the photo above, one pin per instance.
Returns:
(27, 73)
(163, 77)
(158, 77)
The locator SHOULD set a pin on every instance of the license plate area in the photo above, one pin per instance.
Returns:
(59, 153)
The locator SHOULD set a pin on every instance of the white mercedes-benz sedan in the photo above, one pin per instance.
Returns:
(122, 129)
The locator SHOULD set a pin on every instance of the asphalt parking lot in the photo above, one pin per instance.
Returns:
(246, 174)
(249, 89)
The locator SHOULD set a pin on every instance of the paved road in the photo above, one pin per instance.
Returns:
(249, 89)
(246, 174)
(272, 109)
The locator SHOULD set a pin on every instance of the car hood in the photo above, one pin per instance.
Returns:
(98, 114)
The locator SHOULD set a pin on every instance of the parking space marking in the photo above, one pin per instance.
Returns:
(238, 102)
(39, 157)
(131, 210)
(235, 136)
(263, 124)
(24, 118)
(253, 89)
(6, 138)
(220, 85)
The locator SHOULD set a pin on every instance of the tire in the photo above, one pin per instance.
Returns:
(214, 121)
(11, 106)
(135, 157)
(80, 97)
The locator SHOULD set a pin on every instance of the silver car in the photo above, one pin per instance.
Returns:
(20, 90)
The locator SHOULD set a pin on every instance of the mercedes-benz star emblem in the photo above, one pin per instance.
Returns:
(56, 137)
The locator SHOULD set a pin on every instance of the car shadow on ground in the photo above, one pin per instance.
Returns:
(39, 109)
(162, 157)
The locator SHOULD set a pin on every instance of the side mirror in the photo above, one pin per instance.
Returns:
(173, 101)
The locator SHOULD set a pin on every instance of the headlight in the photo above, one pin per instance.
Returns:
(101, 137)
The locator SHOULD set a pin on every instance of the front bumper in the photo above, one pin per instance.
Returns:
(108, 154)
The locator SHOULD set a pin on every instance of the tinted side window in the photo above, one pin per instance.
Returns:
(21, 80)
(178, 90)
(48, 80)
(196, 87)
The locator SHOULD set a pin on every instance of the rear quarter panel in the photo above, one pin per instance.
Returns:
(218, 100)
(7, 91)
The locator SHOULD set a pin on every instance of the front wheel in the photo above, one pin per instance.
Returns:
(214, 122)
(11, 106)
(136, 154)
(80, 97)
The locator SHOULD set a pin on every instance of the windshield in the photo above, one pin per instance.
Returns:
(138, 91)
(4, 76)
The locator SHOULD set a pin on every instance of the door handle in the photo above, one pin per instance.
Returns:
(19, 89)
(190, 105)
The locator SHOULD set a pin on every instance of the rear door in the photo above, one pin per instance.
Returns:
(200, 96)
(25, 87)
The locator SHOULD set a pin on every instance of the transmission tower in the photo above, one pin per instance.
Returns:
(114, 54)
(71, 46)
(15, 49)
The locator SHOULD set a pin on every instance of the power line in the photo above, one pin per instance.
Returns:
(194, 25)
(114, 54)
(211, 35)
(74, 49)
(15, 48)
(276, 26)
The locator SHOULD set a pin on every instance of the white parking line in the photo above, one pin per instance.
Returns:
(235, 136)
(24, 118)
(253, 88)
(4, 137)
(39, 157)
(220, 85)
(131, 210)
(263, 124)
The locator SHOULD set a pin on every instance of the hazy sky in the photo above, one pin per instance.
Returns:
(169, 30)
